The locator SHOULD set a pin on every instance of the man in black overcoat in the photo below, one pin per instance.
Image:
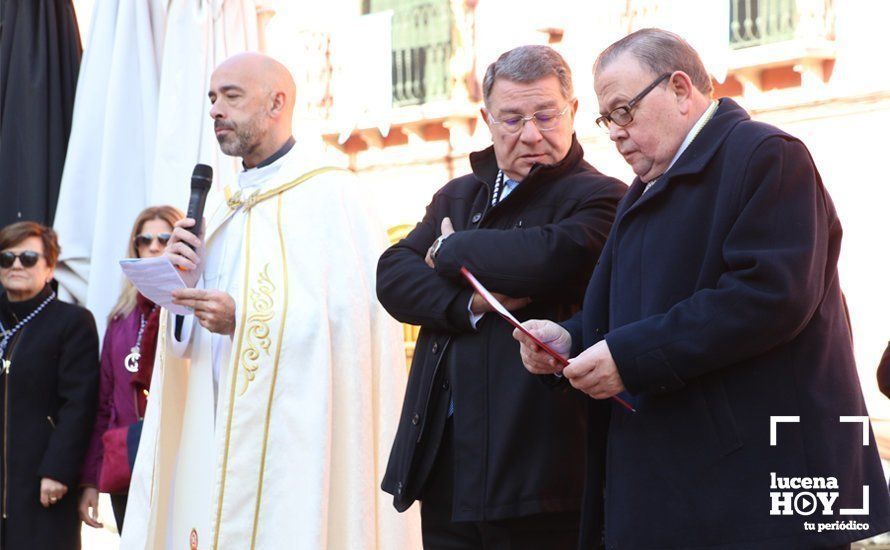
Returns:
(495, 454)
(716, 310)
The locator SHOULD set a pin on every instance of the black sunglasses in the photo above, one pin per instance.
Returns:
(28, 258)
(145, 239)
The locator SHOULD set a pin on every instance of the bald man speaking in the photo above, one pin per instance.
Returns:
(269, 404)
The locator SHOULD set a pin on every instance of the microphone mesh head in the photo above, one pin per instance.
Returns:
(202, 176)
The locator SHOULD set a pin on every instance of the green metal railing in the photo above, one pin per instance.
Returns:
(758, 22)
(421, 49)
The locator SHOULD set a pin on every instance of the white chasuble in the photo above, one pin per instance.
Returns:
(293, 451)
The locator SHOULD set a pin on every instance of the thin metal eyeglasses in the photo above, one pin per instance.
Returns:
(28, 258)
(546, 119)
(623, 115)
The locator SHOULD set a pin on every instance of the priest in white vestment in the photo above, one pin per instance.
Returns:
(271, 408)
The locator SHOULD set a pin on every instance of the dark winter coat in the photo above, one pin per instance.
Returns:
(519, 443)
(718, 296)
(48, 403)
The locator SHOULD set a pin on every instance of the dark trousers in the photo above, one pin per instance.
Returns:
(556, 531)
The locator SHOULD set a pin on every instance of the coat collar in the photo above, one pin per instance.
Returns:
(283, 150)
(696, 156)
(485, 168)
(15, 311)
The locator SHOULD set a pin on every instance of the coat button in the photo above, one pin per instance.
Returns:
(445, 384)
(435, 347)
(476, 217)
(415, 419)
(399, 488)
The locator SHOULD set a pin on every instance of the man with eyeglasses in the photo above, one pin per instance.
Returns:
(717, 313)
(494, 454)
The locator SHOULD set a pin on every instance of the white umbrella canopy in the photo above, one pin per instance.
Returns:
(140, 124)
(113, 132)
(200, 36)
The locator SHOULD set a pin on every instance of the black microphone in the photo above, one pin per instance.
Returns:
(202, 177)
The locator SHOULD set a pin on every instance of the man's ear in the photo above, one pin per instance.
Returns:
(486, 117)
(277, 103)
(681, 85)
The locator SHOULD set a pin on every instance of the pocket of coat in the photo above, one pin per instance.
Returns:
(722, 417)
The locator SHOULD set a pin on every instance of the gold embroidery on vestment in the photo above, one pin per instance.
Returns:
(258, 341)
(215, 528)
(234, 202)
(281, 327)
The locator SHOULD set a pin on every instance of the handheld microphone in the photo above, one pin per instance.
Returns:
(202, 177)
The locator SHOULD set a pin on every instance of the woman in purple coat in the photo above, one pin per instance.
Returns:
(126, 362)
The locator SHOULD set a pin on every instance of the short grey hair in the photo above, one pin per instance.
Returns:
(527, 64)
(661, 52)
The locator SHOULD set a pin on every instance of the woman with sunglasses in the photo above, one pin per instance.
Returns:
(126, 363)
(48, 384)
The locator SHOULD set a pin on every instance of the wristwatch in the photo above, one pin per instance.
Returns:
(437, 246)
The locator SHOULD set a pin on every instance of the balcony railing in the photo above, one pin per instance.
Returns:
(758, 22)
(421, 52)
(421, 49)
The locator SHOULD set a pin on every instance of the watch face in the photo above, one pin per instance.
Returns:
(437, 245)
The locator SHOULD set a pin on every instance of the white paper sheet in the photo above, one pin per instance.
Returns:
(156, 279)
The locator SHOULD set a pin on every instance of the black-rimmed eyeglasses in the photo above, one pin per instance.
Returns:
(623, 115)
